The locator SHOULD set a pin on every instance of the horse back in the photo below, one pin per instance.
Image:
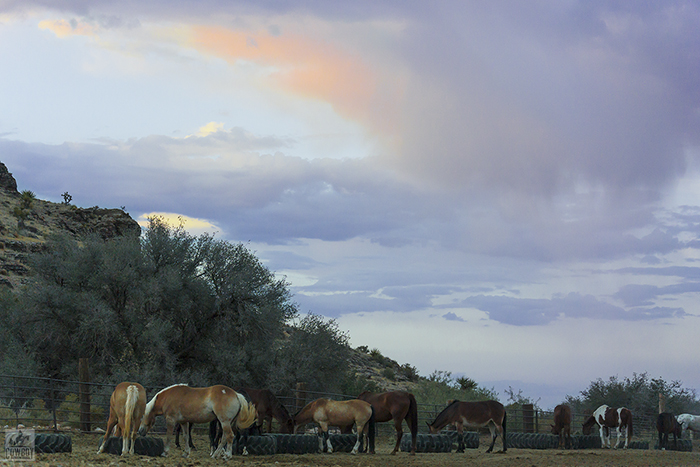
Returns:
(388, 405)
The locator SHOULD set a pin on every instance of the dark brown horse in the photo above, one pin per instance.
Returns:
(397, 406)
(475, 415)
(269, 407)
(562, 425)
(666, 423)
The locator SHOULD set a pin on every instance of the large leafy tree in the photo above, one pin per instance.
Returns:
(168, 307)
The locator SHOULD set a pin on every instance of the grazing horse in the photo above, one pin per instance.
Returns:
(562, 425)
(185, 405)
(666, 423)
(606, 418)
(689, 423)
(476, 415)
(397, 406)
(269, 407)
(327, 413)
(126, 407)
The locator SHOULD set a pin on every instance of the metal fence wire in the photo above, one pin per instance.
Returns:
(48, 404)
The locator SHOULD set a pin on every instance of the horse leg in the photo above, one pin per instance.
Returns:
(398, 424)
(492, 429)
(111, 422)
(226, 426)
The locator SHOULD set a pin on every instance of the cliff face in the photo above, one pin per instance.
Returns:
(26, 222)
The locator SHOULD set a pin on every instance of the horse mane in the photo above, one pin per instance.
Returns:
(444, 414)
(152, 402)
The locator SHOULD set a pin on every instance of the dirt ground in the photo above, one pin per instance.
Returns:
(85, 448)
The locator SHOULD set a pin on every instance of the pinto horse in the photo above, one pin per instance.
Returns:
(126, 407)
(606, 418)
(185, 405)
(562, 425)
(666, 423)
(476, 415)
(327, 413)
(689, 423)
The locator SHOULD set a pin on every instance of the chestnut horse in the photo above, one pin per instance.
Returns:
(126, 407)
(397, 406)
(606, 418)
(476, 415)
(562, 425)
(327, 413)
(666, 423)
(185, 405)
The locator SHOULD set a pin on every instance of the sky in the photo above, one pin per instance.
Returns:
(508, 191)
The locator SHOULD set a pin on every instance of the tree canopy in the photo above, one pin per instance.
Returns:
(164, 308)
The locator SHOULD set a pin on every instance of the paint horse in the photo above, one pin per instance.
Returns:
(666, 423)
(689, 423)
(126, 407)
(185, 405)
(327, 413)
(606, 418)
(475, 415)
(397, 406)
(562, 425)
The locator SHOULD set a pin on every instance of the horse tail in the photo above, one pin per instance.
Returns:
(247, 414)
(371, 430)
(503, 425)
(413, 418)
(132, 396)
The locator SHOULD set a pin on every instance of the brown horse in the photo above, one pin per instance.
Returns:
(666, 423)
(185, 405)
(126, 407)
(269, 407)
(327, 413)
(606, 418)
(397, 406)
(475, 415)
(562, 425)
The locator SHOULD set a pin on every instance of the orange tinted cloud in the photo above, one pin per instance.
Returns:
(63, 28)
(303, 66)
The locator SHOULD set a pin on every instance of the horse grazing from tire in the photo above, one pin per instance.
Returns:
(327, 413)
(185, 405)
(269, 407)
(126, 408)
(562, 425)
(689, 423)
(606, 418)
(666, 423)
(475, 415)
(397, 406)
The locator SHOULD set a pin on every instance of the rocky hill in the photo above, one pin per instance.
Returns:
(26, 222)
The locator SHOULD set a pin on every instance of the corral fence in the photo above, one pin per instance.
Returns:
(48, 404)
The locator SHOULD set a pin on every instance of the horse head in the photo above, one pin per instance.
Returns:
(431, 428)
(554, 430)
(149, 417)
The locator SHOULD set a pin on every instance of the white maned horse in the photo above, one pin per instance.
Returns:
(689, 423)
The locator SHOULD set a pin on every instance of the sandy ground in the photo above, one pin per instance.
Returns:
(85, 448)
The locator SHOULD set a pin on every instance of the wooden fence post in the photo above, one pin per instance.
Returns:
(84, 396)
(528, 418)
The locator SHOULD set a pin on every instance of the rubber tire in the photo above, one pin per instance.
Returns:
(259, 445)
(143, 446)
(639, 445)
(428, 443)
(343, 443)
(295, 444)
(52, 443)
(684, 445)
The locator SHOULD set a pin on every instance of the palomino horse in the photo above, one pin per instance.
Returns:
(562, 425)
(475, 415)
(185, 405)
(606, 418)
(397, 406)
(327, 413)
(666, 423)
(126, 407)
(689, 423)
